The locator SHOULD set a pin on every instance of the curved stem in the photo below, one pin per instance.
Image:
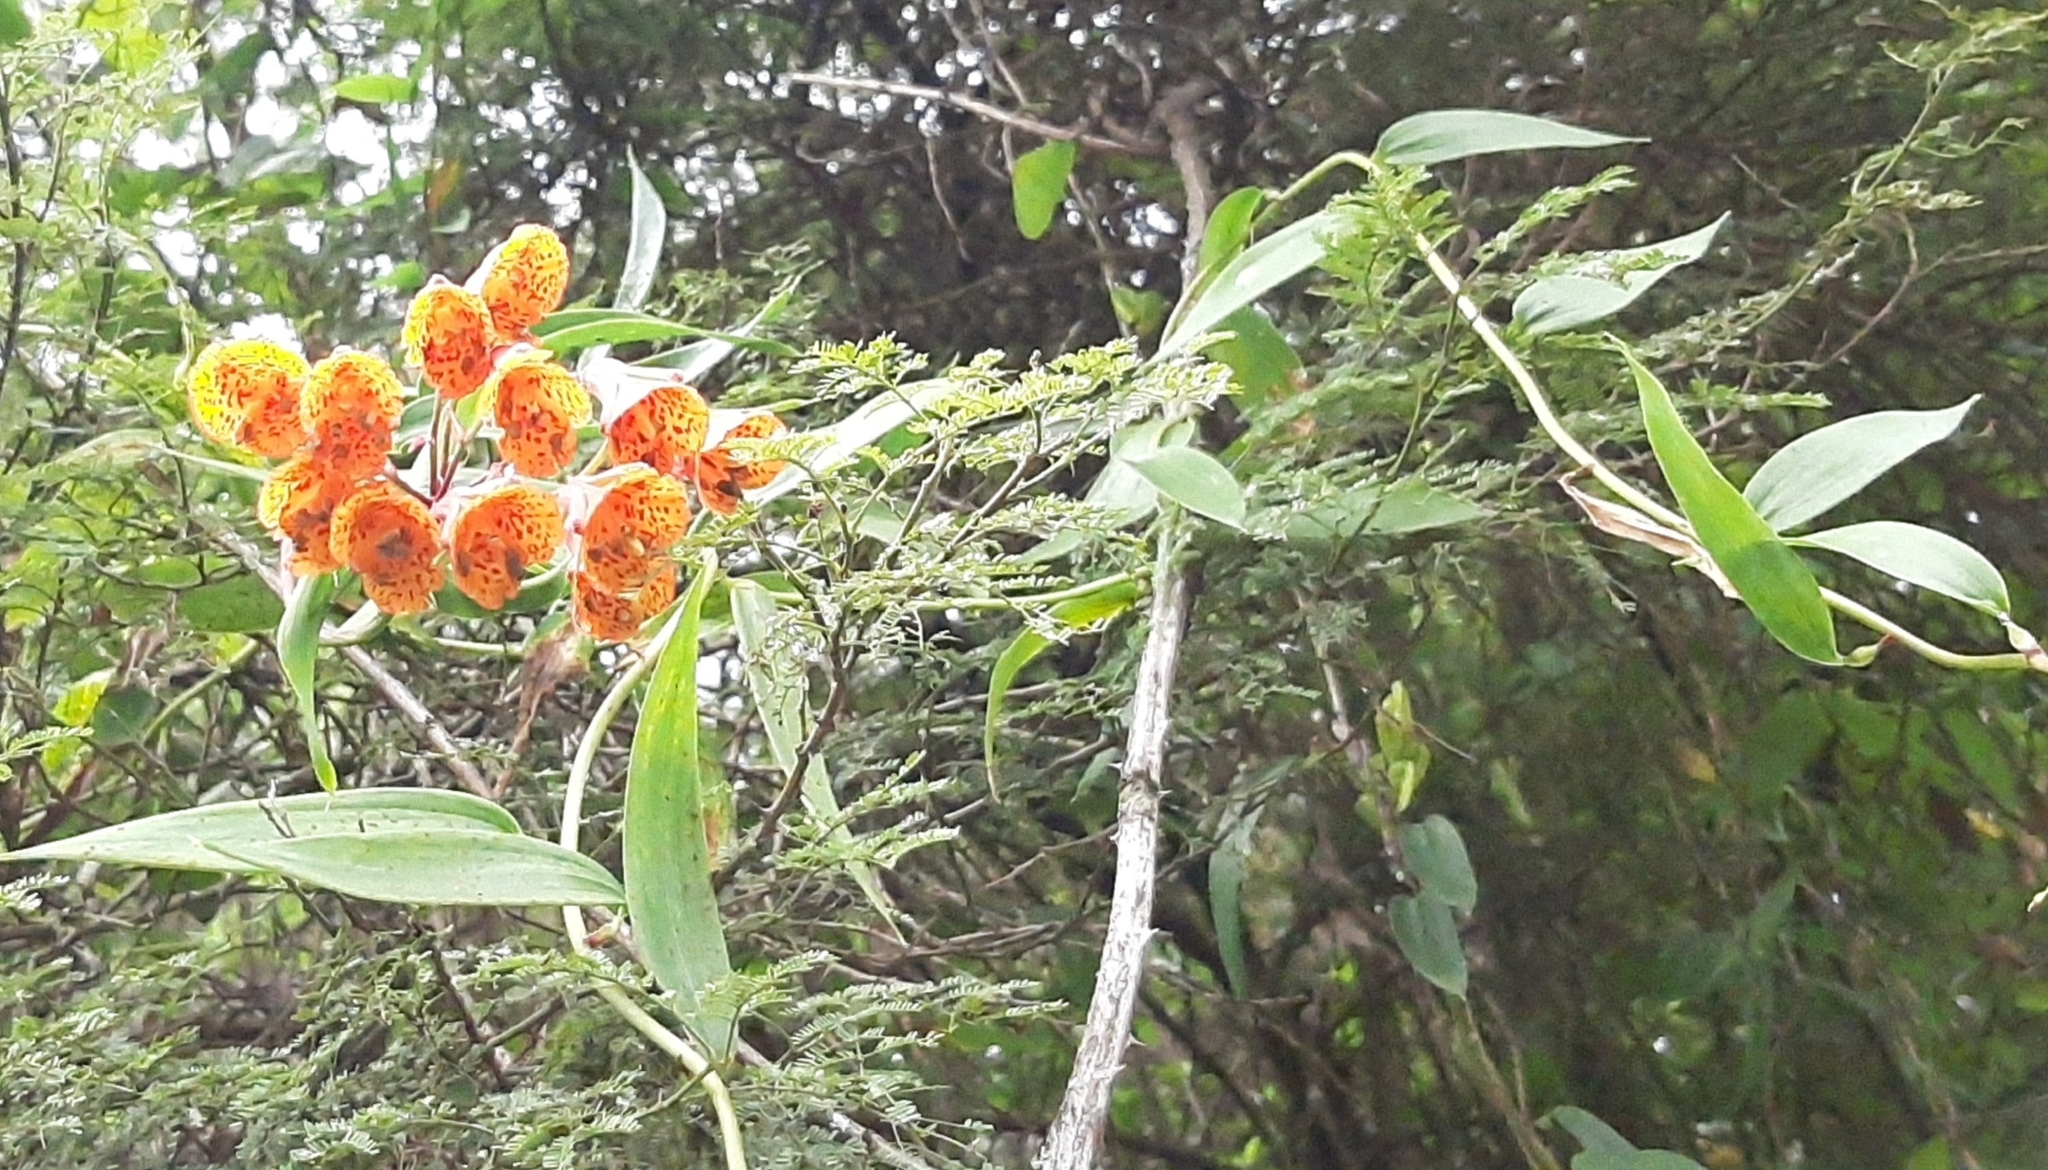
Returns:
(1863, 615)
(693, 1061)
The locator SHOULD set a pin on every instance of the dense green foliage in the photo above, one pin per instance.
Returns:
(1759, 911)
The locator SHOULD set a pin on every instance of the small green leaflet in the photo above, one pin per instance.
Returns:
(1195, 480)
(1436, 856)
(1764, 571)
(1108, 599)
(1428, 938)
(15, 26)
(1038, 184)
(242, 604)
(377, 89)
(1447, 135)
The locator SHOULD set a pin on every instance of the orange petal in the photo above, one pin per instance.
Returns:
(526, 279)
(246, 394)
(351, 404)
(664, 430)
(386, 533)
(499, 536)
(297, 504)
(538, 405)
(630, 530)
(721, 477)
(617, 617)
(449, 336)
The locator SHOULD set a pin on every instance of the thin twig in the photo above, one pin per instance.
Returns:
(430, 725)
(978, 108)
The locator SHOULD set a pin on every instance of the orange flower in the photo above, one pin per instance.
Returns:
(351, 405)
(385, 533)
(297, 503)
(631, 527)
(246, 394)
(720, 474)
(539, 406)
(664, 430)
(498, 537)
(617, 617)
(448, 335)
(524, 278)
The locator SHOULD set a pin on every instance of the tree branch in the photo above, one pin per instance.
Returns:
(978, 108)
(1076, 1134)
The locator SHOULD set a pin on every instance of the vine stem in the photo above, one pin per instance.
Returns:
(694, 1062)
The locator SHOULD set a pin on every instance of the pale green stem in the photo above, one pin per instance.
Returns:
(1857, 612)
(693, 1061)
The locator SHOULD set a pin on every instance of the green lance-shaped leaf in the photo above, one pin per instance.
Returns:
(1770, 578)
(211, 837)
(1920, 556)
(15, 26)
(438, 866)
(1592, 1133)
(673, 908)
(693, 362)
(298, 649)
(574, 329)
(1229, 229)
(1226, 885)
(242, 604)
(1436, 856)
(377, 89)
(1257, 353)
(1604, 283)
(1195, 480)
(1818, 470)
(1038, 184)
(644, 246)
(1632, 1160)
(1105, 600)
(1428, 938)
(1447, 135)
(779, 698)
(1256, 271)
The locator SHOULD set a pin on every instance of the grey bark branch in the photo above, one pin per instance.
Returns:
(1075, 1138)
(1074, 1141)
(975, 106)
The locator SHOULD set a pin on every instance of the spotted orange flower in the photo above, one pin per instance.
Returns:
(351, 404)
(523, 279)
(617, 617)
(385, 533)
(448, 335)
(297, 503)
(721, 473)
(664, 430)
(539, 406)
(499, 537)
(631, 527)
(246, 394)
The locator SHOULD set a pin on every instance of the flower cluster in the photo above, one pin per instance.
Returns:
(338, 502)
